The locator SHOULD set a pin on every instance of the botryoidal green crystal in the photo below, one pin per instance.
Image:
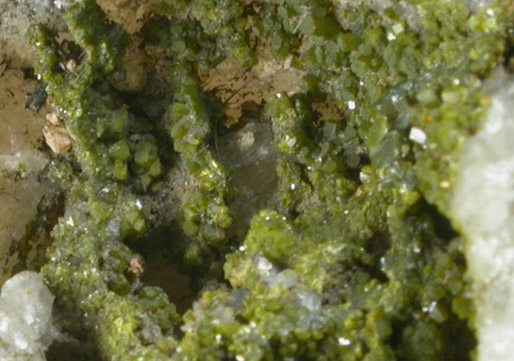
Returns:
(357, 261)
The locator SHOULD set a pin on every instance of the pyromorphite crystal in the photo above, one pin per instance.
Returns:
(356, 260)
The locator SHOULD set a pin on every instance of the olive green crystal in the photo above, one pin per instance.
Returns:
(356, 259)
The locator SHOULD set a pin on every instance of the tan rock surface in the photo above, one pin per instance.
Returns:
(20, 160)
(15, 18)
(131, 14)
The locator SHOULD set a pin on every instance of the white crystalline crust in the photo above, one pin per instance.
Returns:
(26, 328)
(483, 205)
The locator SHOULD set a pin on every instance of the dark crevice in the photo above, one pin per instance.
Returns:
(158, 249)
(442, 227)
(353, 174)
(396, 334)
(376, 247)
(66, 351)
(374, 271)
(459, 342)
(28, 73)
(508, 55)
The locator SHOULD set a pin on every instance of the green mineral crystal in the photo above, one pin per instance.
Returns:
(355, 261)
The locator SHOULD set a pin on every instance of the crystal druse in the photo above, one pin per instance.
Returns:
(346, 250)
(26, 327)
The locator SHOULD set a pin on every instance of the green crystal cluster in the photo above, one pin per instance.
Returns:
(205, 212)
(356, 262)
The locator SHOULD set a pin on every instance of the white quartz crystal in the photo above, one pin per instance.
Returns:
(418, 136)
(285, 279)
(310, 301)
(483, 206)
(26, 328)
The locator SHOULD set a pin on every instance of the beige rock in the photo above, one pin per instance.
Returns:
(237, 87)
(247, 140)
(53, 118)
(71, 65)
(20, 162)
(57, 139)
(132, 76)
(131, 14)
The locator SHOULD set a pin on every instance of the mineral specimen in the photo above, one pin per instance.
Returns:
(351, 255)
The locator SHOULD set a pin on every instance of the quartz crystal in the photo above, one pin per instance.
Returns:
(26, 328)
(252, 161)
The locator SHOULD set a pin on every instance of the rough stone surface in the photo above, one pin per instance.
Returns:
(483, 205)
(20, 161)
(237, 88)
(15, 18)
(26, 328)
(131, 14)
